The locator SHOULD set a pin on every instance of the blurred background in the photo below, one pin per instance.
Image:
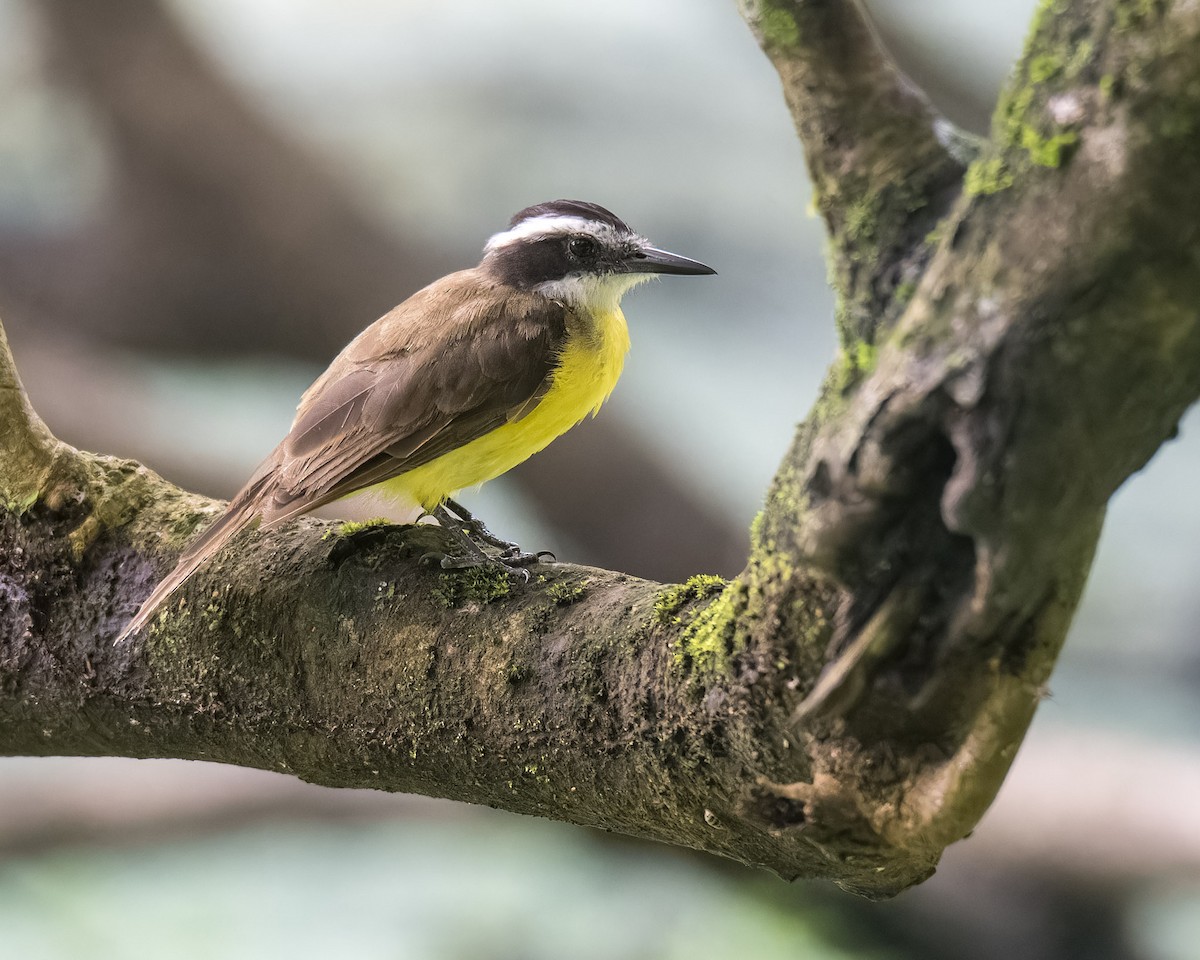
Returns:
(201, 201)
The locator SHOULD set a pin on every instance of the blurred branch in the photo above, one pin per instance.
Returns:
(218, 232)
(1089, 805)
(847, 706)
(59, 802)
(27, 448)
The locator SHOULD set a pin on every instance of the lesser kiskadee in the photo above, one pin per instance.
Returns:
(461, 382)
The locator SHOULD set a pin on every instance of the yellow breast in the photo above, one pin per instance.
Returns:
(584, 378)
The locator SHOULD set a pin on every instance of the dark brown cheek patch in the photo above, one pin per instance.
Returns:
(527, 263)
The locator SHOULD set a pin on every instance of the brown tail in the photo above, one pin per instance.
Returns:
(243, 512)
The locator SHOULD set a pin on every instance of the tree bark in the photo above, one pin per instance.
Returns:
(1019, 335)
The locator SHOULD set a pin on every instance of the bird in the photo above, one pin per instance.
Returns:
(461, 382)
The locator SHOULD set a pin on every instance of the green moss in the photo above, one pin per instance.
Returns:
(23, 503)
(1047, 9)
(756, 530)
(1012, 112)
(1175, 118)
(1045, 66)
(385, 591)
(485, 583)
(862, 218)
(904, 292)
(1048, 151)
(709, 639)
(1080, 58)
(1178, 125)
(1129, 13)
(518, 673)
(875, 213)
(1107, 85)
(772, 566)
(865, 356)
(1019, 126)
(351, 527)
(868, 215)
(770, 560)
(986, 176)
(566, 592)
(778, 28)
(672, 599)
(856, 360)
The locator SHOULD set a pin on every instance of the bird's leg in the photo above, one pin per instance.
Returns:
(473, 529)
(463, 531)
(474, 555)
(477, 529)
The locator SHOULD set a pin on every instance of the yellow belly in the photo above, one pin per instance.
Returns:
(584, 378)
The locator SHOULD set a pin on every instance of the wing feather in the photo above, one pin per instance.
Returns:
(370, 419)
(451, 363)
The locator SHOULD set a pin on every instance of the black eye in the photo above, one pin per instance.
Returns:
(583, 248)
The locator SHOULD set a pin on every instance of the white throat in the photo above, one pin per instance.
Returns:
(597, 294)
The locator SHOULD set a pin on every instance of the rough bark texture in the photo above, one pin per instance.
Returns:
(1019, 337)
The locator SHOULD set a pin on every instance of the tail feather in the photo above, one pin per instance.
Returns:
(243, 512)
(260, 501)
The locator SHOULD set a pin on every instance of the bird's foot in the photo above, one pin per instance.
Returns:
(514, 556)
(469, 532)
(511, 567)
(477, 530)
(515, 559)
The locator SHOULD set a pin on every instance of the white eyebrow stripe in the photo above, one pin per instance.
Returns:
(547, 226)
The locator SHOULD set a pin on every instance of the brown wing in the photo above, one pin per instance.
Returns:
(450, 364)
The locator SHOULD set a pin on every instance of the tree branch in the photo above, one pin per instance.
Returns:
(27, 448)
(212, 215)
(848, 705)
(885, 166)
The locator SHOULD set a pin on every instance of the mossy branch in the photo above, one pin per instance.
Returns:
(850, 703)
(885, 165)
(27, 448)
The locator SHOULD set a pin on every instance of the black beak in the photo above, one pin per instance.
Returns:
(653, 260)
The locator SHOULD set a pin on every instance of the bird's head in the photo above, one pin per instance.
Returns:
(578, 253)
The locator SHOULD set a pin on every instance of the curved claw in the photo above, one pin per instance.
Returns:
(469, 532)
(518, 558)
(523, 571)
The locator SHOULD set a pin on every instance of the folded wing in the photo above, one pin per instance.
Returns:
(442, 369)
